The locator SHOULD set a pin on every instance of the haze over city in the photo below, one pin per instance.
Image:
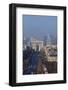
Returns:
(39, 26)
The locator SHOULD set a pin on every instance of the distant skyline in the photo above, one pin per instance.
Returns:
(39, 26)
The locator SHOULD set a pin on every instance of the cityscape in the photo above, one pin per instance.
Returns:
(39, 54)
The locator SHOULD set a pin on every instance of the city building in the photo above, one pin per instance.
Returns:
(48, 40)
(26, 43)
(36, 44)
(51, 52)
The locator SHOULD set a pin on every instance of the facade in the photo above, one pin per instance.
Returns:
(51, 53)
(26, 43)
(36, 44)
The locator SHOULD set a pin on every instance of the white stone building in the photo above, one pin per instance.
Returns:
(36, 44)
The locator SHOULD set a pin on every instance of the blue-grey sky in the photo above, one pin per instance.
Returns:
(39, 26)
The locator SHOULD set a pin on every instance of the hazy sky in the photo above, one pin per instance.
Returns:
(39, 26)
